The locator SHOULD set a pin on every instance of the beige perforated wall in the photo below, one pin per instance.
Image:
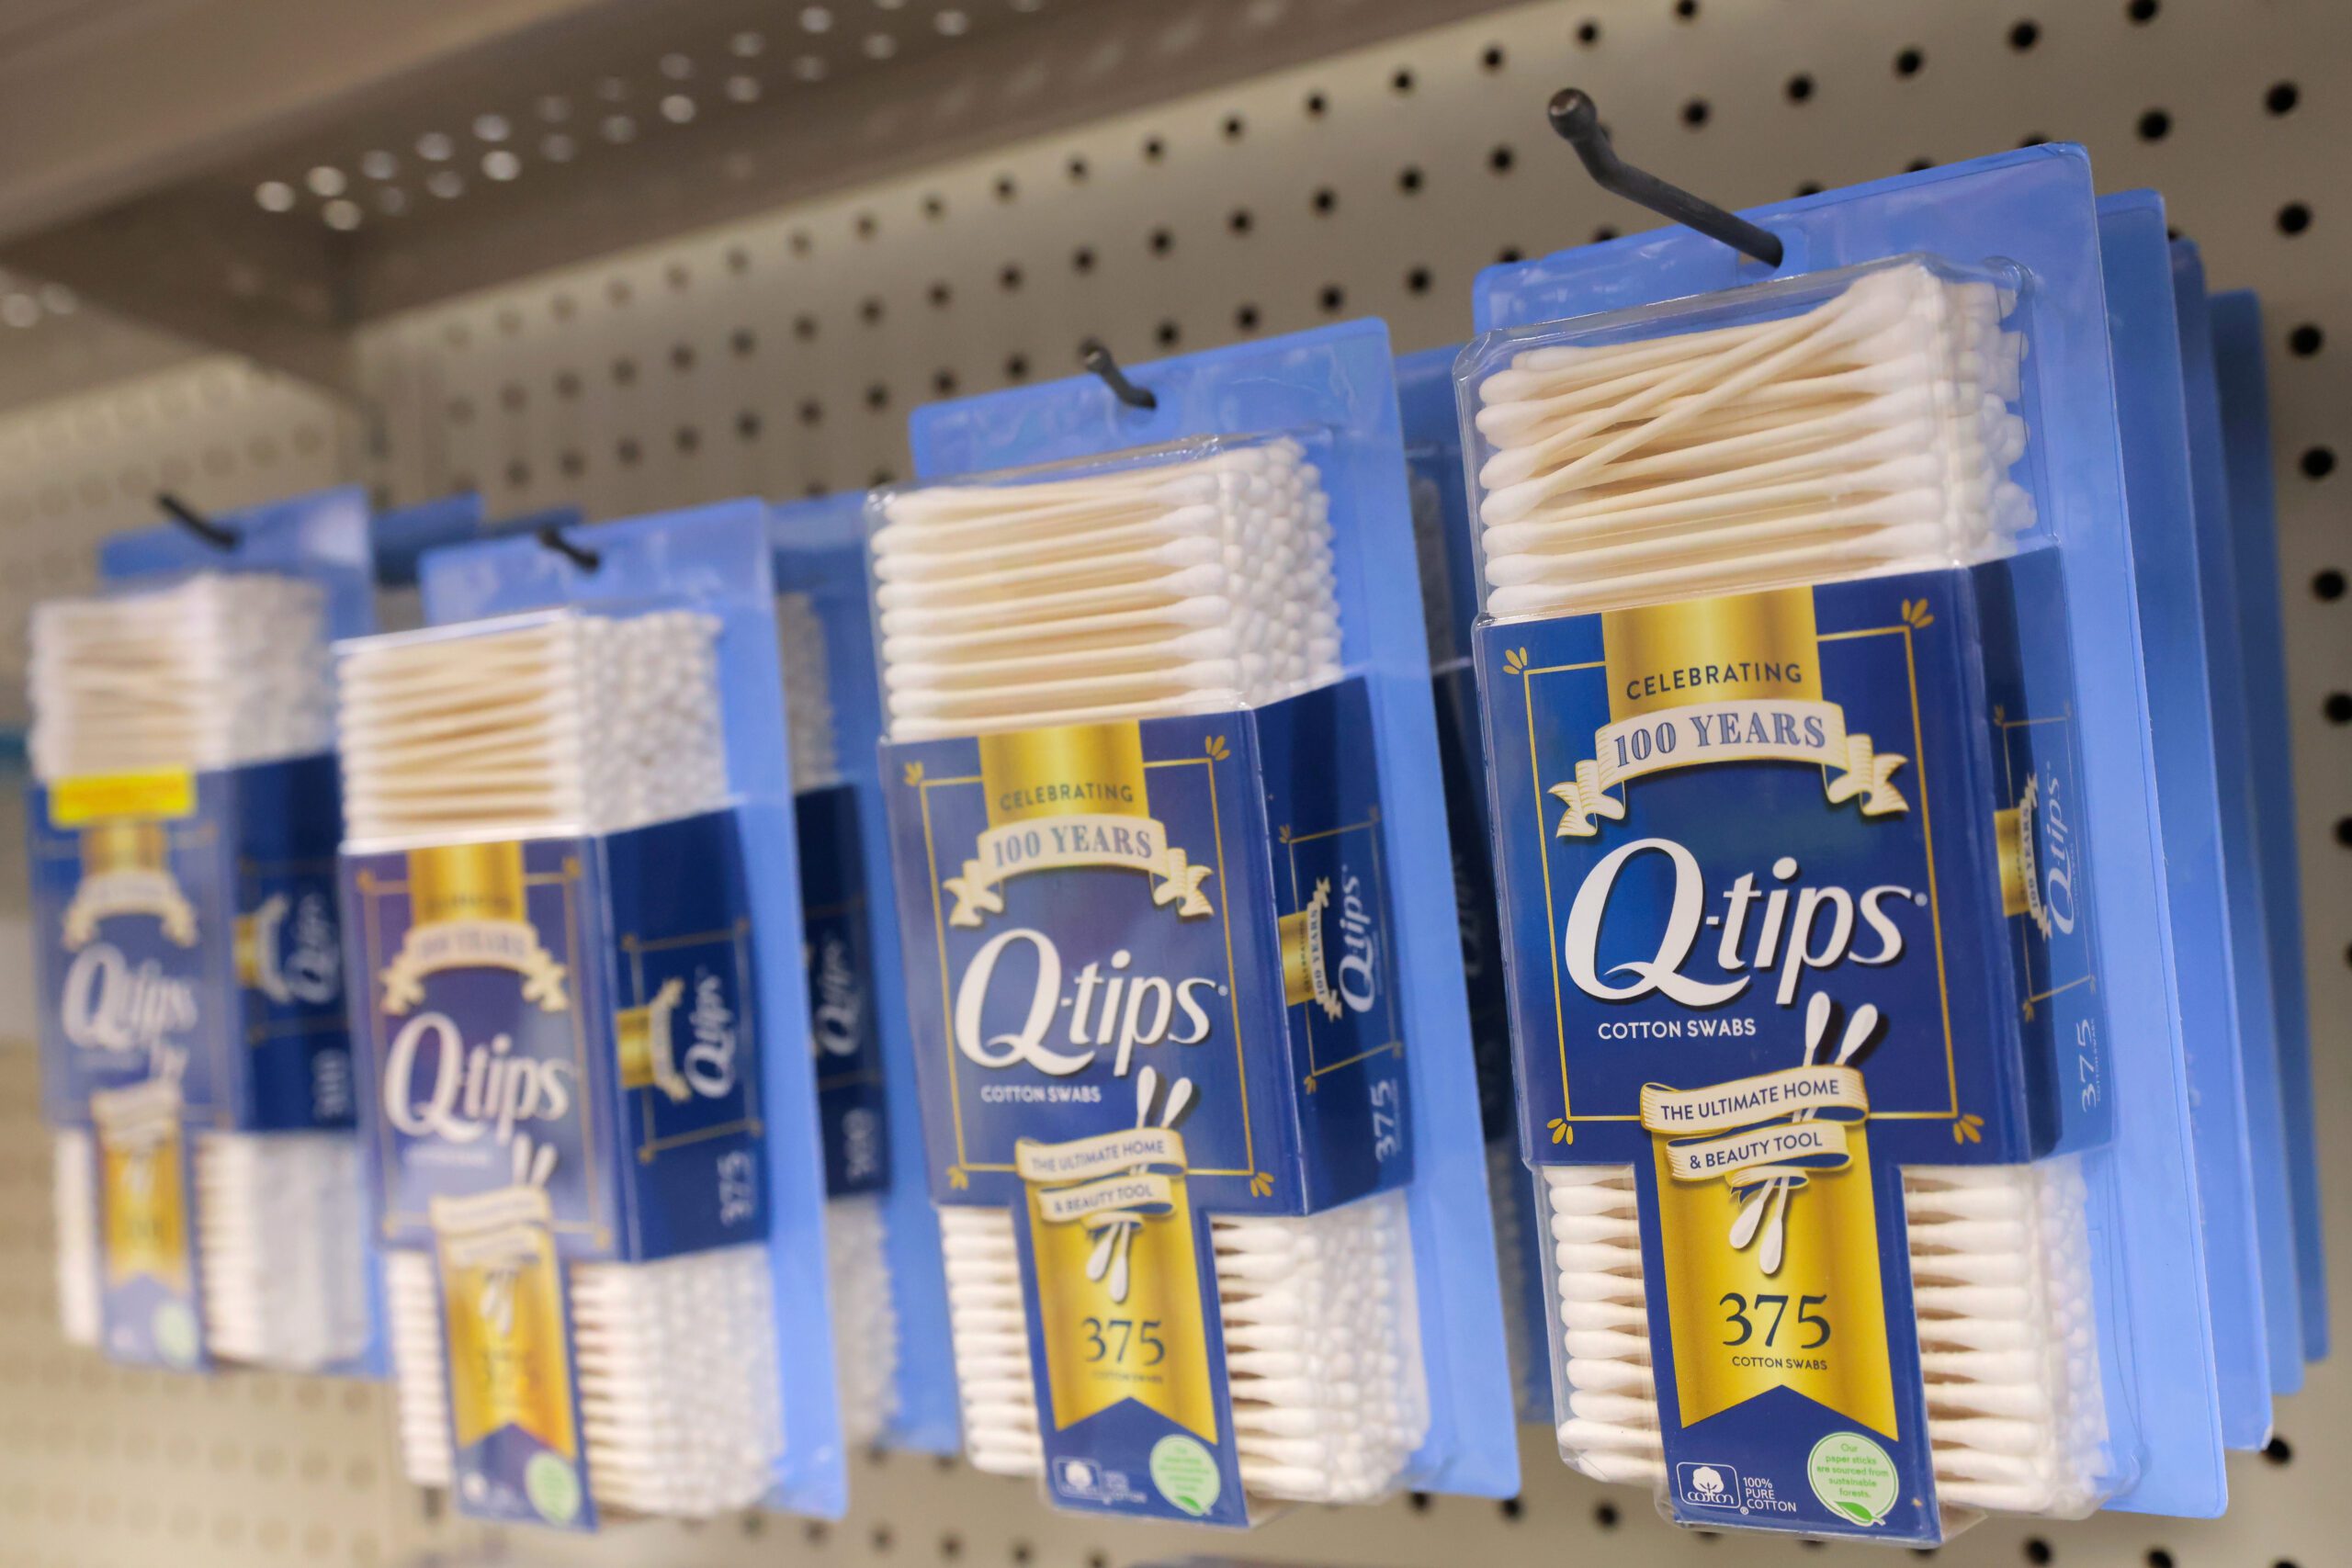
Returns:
(783, 352)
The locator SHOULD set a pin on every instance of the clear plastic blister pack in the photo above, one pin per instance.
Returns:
(1796, 594)
(602, 1205)
(1139, 782)
(195, 1068)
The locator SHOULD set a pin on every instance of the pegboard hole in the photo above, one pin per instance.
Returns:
(1009, 280)
(1239, 221)
(944, 383)
(1333, 298)
(1687, 10)
(1418, 280)
(1082, 259)
(1235, 128)
(1005, 189)
(1604, 1516)
(1162, 241)
(1154, 149)
(1492, 58)
(2159, 1558)
(1511, 1509)
(2317, 462)
(2037, 1550)
(2025, 35)
(2344, 831)
(940, 294)
(1246, 318)
(1695, 113)
(1408, 180)
(2155, 126)
(1417, 1501)
(1166, 334)
(804, 328)
(1317, 106)
(2338, 707)
(1401, 83)
(1587, 33)
(1076, 170)
(2141, 11)
(1017, 368)
(1501, 159)
(2327, 584)
(2306, 341)
(1908, 62)
(2282, 98)
(2278, 1451)
(1326, 200)
(1800, 87)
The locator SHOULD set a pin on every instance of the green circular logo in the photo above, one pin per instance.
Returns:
(553, 1487)
(174, 1328)
(1186, 1473)
(1853, 1477)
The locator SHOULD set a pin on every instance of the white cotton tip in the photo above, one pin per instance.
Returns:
(865, 1320)
(215, 671)
(807, 693)
(420, 1403)
(279, 1226)
(581, 722)
(75, 1199)
(1323, 1352)
(1180, 587)
(1808, 447)
(1999, 1264)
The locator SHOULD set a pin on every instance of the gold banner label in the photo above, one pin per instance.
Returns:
(468, 909)
(1815, 1324)
(126, 870)
(143, 1195)
(502, 1296)
(647, 1060)
(1727, 679)
(1068, 797)
(1117, 1278)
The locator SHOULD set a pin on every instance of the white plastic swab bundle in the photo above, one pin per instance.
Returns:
(1182, 586)
(216, 671)
(1870, 434)
(865, 1328)
(582, 724)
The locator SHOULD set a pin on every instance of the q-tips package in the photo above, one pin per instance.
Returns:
(571, 891)
(1166, 820)
(889, 1291)
(1848, 1038)
(196, 1073)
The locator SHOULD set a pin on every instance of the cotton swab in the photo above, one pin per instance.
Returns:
(1870, 434)
(619, 727)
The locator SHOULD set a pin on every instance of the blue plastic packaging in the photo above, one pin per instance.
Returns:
(2250, 523)
(819, 548)
(251, 957)
(2188, 718)
(1450, 599)
(2032, 211)
(717, 559)
(1334, 391)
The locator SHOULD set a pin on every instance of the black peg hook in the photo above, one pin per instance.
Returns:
(552, 536)
(1574, 116)
(1096, 357)
(196, 523)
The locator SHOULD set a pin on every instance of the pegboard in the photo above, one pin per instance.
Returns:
(780, 356)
